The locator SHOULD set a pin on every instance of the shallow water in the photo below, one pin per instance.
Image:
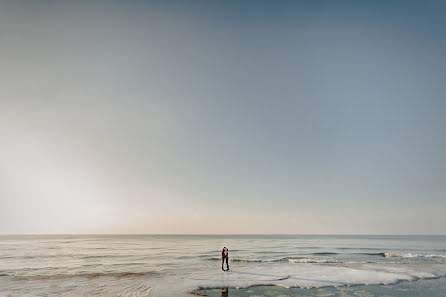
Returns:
(172, 265)
(431, 288)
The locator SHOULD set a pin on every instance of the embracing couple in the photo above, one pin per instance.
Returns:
(224, 256)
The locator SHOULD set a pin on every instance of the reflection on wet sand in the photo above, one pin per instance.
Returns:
(225, 292)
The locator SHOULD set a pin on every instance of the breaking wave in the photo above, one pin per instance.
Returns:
(410, 255)
(284, 259)
(322, 259)
(385, 255)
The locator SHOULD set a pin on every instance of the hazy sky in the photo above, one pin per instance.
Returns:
(223, 117)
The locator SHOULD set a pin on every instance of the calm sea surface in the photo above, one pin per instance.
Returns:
(261, 265)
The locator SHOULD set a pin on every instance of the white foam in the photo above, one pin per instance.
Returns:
(410, 255)
(301, 275)
(435, 256)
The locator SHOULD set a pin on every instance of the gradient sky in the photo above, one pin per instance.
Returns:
(223, 117)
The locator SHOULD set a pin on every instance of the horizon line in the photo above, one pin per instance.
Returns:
(219, 234)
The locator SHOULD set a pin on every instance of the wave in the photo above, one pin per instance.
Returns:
(357, 248)
(434, 256)
(388, 255)
(256, 259)
(385, 255)
(323, 276)
(200, 289)
(379, 254)
(84, 275)
(284, 259)
(410, 255)
(252, 260)
(302, 259)
(313, 261)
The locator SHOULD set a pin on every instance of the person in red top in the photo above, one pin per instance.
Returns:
(224, 255)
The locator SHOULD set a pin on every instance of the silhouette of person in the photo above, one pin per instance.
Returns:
(224, 256)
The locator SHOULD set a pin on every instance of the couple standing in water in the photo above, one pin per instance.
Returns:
(224, 256)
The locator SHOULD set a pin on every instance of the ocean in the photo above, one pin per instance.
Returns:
(260, 265)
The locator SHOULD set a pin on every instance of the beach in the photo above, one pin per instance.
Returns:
(435, 287)
(261, 265)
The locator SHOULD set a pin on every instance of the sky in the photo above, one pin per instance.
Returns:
(300, 117)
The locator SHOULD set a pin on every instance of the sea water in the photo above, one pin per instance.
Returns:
(260, 265)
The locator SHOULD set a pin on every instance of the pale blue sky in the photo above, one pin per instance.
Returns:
(223, 117)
